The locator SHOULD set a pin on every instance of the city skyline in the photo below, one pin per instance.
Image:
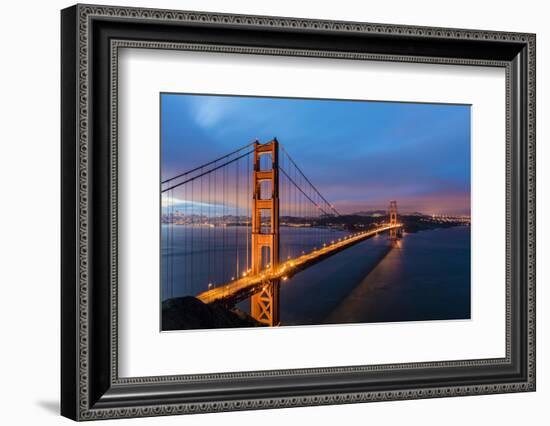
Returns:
(359, 154)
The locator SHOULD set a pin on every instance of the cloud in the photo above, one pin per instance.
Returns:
(437, 202)
(171, 201)
(167, 201)
(358, 154)
(209, 111)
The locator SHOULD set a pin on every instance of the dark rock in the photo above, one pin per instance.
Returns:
(187, 313)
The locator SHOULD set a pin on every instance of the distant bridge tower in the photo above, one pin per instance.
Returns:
(393, 220)
(393, 212)
(265, 239)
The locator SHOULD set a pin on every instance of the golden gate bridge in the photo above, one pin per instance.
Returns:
(236, 209)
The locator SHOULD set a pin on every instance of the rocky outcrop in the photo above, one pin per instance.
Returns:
(188, 313)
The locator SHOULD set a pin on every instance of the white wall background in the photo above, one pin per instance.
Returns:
(29, 212)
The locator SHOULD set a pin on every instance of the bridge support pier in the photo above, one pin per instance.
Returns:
(264, 305)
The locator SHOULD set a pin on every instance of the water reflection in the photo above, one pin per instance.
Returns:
(426, 278)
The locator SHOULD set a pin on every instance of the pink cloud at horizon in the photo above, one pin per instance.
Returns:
(454, 203)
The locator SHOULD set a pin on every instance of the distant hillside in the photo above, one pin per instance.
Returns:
(371, 213)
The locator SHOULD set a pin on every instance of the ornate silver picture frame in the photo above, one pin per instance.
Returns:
(91, 39)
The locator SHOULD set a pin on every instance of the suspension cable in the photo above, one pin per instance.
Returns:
(207, 164)
(308, 181)
(302, 191)
(208, 171)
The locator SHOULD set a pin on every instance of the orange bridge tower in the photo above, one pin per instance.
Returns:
(265, 230)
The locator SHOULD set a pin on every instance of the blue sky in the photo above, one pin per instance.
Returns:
(359, 154)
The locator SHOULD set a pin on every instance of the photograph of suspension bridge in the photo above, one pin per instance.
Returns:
(291, 211)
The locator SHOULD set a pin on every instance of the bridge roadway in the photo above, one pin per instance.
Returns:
(244, 287)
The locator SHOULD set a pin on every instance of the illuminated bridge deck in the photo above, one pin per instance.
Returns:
(244, 287)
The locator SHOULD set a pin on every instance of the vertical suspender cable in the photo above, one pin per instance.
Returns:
(209, 233)
(248, 212)
(224, 222)
(192, 256)
(202, 233)
(237, 215)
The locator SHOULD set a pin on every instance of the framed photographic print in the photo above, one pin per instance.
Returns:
(264, 212)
